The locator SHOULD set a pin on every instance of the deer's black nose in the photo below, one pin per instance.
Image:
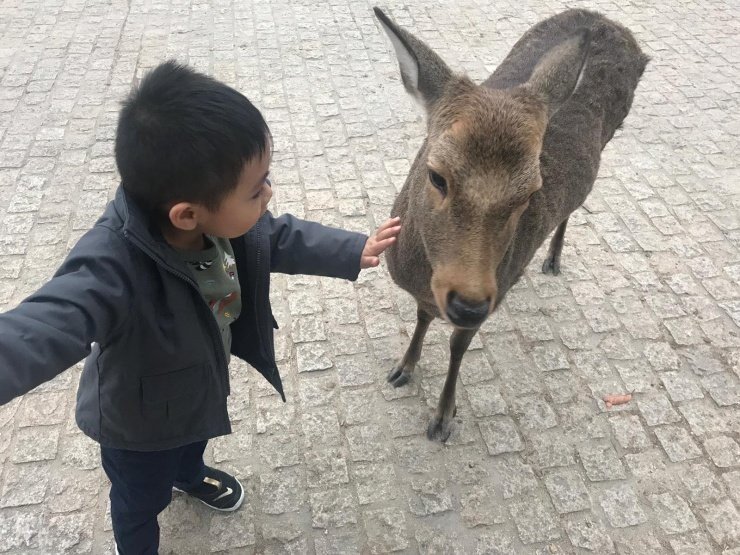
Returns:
(466, 314)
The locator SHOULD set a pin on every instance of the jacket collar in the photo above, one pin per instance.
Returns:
(139, 229)
(135, 221)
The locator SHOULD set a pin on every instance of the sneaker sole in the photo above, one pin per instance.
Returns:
(230, 509)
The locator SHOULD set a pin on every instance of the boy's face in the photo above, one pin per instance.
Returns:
(241, 208)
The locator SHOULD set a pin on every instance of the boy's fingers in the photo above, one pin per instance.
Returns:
(389, 223)
(380, 246)
(389, 232)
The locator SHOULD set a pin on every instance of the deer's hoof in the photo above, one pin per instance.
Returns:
(551, 265)
(439, 429)
(399, 376)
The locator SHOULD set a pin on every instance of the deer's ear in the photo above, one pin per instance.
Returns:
(557, 74)
(423, 72)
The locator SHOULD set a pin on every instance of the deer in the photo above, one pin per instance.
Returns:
(503, 165)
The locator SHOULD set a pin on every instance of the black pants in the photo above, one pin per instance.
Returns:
(141, 488)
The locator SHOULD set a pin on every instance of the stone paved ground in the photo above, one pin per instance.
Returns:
(649, 300)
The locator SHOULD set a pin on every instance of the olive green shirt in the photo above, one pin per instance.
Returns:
(214, 270)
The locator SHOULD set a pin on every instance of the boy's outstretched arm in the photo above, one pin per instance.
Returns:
(85, 301)
(302, 247)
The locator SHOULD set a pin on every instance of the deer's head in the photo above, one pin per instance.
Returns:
(480, 165)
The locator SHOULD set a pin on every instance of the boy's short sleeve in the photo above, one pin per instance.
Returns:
(85, 301)
(301, 247)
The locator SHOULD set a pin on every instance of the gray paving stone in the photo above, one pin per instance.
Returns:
(429, 496)
(723, 522)
(723, 450)
(496, 542)
(486, 400)
(723, 387)
(535, 521)
(68, 533)
(43, 409)
(622, 507)
(677, 443)
(375, 482)
(673, 513)
(356, 370)
(534, 413)
(516, 478)
(651, 470)
(684, 331)
(549, 356)
(643, 544)
(24, 484)
(386, 530)
(326, 468)
(657, 409)
(601, 462)
(281, 490)
(312, 357)
(702, 484)
(589, 534)
(416, 455)
(693, 542)
(534, 328)
(549, 449)
(337, 542)
(703, 419)
(629, 432)
(636, 375)
(234, 531)
(480, 506)
(74, 492)
(37, 443)
(680, 387)
(432, 542)
(321, 427)
(501, 436)
(332, 508)
(317, 390)
(567, 491)
(19, 529)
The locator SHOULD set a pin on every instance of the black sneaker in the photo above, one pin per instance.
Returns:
(218, 490)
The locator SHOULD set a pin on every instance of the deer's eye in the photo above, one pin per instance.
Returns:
(438, 181)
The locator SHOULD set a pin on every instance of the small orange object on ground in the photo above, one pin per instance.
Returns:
(612, 400)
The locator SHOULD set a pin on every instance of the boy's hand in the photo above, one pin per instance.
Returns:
(378, 242)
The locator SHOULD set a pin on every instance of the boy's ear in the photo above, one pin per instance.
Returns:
(183, 216)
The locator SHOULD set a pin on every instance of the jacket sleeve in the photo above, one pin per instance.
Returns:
(301, 247)
(84, 302)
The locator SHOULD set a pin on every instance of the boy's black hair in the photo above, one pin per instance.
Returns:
(183, 136)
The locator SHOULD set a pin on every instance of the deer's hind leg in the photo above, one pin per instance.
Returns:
(552, 261)
(402, 372)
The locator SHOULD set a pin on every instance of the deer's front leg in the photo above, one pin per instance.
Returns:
(401, 373)
(440, 426)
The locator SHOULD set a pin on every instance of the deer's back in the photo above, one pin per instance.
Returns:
(578, 132)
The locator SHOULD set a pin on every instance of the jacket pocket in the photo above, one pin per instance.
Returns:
(172, 393)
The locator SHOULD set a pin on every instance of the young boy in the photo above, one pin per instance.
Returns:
(172, 279)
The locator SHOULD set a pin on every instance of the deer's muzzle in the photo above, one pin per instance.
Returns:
(466, 314)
